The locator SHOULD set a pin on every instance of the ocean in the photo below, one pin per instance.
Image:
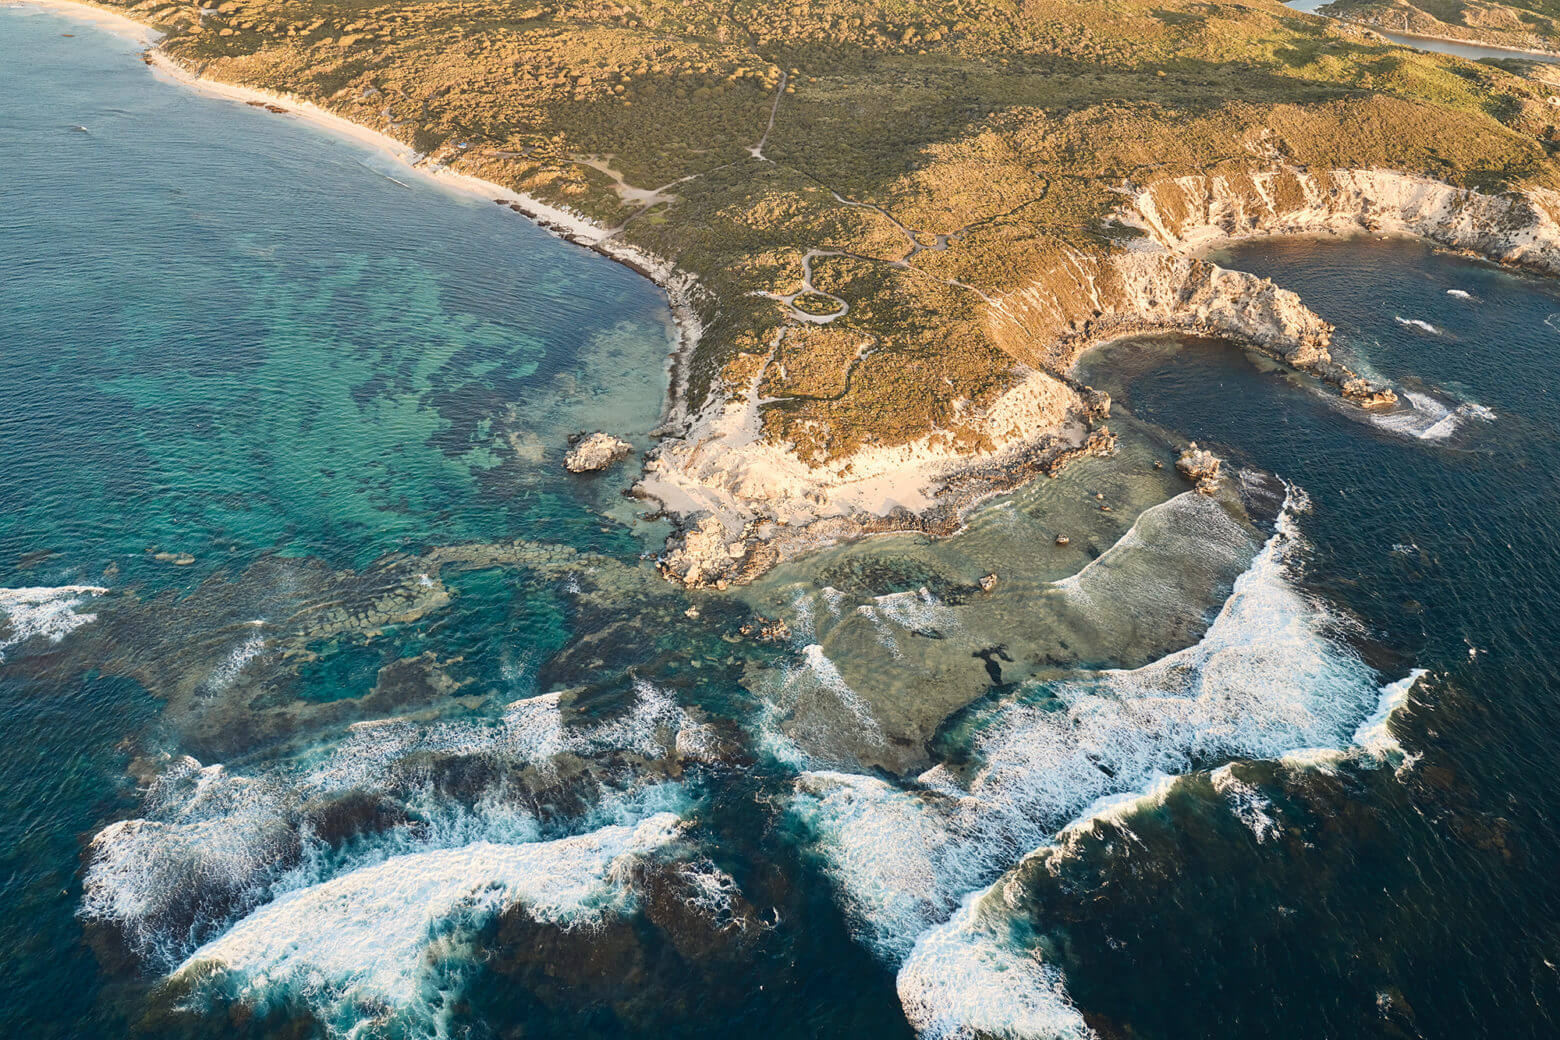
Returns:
(335, 707)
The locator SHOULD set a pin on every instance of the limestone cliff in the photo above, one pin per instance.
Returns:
(1184, 213)
(1089, 299)
(750, 502)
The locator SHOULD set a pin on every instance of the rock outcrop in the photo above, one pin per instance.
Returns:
(757, 502)
(1184, 213)
(1088, 300)
(1084, 300)
(595, 452)
(1201, 467)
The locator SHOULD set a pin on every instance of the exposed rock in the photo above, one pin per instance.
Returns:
(1367, 394)
(595, 452)
(1153, 283)
(1062, 539)
(1188, 212)
(770, 630)
(988, 583)
(1085, 300)
(1096, 402)
(1201, 467)
(1100, 442)
(704, 554)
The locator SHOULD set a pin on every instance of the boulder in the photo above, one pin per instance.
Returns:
(1367, 394)
(1201, 467)
(595, 452)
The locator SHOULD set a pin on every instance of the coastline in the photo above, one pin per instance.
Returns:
(1548, 57)
(1396, 36)
(741, 501)
(948, 481)
(679, 287)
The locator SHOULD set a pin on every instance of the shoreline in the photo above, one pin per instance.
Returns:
(678, 287)
(949, 483)
(741, 502)
(1394, 36)
(1547, 57)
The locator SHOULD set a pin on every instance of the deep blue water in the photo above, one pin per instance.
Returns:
(1420, 905)
(394, 723)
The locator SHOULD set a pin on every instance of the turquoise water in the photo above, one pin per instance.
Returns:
(335, 708)
(280, 341)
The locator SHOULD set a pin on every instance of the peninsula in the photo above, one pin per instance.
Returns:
(889, 229)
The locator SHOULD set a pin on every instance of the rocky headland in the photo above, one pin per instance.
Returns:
(880, 307)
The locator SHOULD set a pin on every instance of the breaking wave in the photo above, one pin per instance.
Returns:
(828, 675)
(966, 980)
(47, 612)
(1147, 567)
(1271, 674)
(897, 863)
(1246, 802)
(1415, 323)
(212, 845)
(1429, 419)
(1373, 734)
(376, 938)
(223, 675)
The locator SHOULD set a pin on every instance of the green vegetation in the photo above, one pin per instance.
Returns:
(1002, 130)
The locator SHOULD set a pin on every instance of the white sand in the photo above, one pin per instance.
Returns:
(678, 286)
(720, 464)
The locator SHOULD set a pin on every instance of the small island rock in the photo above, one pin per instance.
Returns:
(1369, 395)
(595, 452)
(1201, 467)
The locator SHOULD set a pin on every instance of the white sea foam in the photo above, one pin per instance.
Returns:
(1461, 294)
(47, 612)
(1373, 735)
(1429, 419)
(219, 837)
(823, 672)
(892, 854)
(1415, 323)
(212, 844)
(914, 611)
(1270, 674)
(372, 938)
(1141, 567)
(1117, 809)
(714, 893)
(965, 980)
(802, 619)
(222, 676)
(1246, 802)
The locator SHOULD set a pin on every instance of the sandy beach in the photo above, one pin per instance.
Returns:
(678, 286)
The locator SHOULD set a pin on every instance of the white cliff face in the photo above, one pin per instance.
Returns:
(1089, 299)
(1160, 284)
(741, 492)
(1187, 213)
